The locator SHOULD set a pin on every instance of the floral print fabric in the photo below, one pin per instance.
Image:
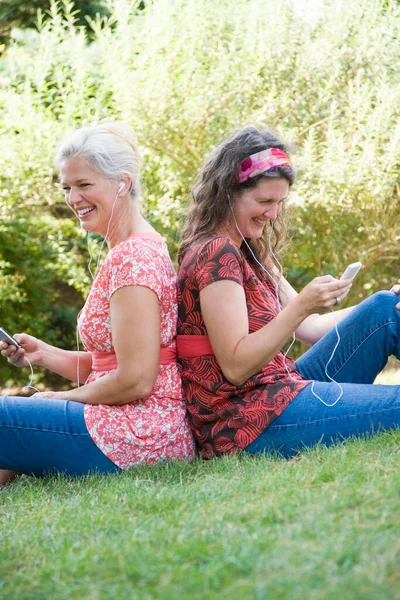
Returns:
(153, 428)
(226, 418)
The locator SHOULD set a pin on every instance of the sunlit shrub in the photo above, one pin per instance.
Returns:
(185, 74)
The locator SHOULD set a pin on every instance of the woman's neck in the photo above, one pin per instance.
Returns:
(128, 225)
(229, 230)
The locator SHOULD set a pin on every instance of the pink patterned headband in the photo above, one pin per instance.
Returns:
(258, 163)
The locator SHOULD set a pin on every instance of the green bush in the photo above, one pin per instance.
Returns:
(185, 74)
(23, 13)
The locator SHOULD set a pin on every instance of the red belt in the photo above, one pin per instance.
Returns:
(190, 346)
(107, 361)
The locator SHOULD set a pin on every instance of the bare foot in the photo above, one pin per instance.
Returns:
(7, 477)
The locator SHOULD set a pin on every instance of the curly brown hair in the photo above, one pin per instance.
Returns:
(216, 187)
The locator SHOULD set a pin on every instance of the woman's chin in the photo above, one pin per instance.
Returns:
(86, 225)
(257, 234)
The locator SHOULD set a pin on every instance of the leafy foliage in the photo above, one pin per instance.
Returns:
(185, 74)
(23, 13)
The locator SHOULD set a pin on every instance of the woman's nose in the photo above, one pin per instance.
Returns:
(272, 212)
(73, 197)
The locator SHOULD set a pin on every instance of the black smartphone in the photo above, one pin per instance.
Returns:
(7, 337)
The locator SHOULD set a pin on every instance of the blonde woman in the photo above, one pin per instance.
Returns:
(129, 407)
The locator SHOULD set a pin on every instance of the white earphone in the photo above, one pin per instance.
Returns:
(121, 186)
(276, 284)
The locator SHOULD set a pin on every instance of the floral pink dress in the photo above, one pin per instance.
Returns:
(154, 428)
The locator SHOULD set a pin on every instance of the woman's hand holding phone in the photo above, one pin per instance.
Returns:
(29, 349)
(322, 294)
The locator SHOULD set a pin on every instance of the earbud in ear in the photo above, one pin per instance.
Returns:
(121, 186)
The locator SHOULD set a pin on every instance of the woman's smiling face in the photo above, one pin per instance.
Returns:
(255, 207)
(89, 194)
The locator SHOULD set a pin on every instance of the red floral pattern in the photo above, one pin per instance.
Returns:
(154, 428)
(227, 418)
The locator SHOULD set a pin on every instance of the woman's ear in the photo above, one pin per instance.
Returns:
(124, 185)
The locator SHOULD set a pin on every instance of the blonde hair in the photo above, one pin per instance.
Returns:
(110, 147)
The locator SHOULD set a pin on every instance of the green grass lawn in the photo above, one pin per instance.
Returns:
(323, 526)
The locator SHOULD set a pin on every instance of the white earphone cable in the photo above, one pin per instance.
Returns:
(30, 386)
(93, 275)
(91, 256)
(276, 285)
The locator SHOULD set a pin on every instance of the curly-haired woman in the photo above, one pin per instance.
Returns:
(237, 311)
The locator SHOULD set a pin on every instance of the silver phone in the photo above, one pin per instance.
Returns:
(351, 271)
(7, 337)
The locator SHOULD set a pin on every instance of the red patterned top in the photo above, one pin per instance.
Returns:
(226, 418)
(153, 428)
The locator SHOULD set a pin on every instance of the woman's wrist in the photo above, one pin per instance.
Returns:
(45, 352)
(300, 308)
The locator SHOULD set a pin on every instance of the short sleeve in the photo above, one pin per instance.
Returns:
(218, 259)
(135, 262)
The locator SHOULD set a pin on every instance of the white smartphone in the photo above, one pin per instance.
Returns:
(7, 337)
(351, 271)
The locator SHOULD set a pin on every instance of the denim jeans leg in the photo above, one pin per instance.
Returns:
(41, 435)
(362, 409)
(368, 336)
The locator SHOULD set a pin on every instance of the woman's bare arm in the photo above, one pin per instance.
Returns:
(62, 362)
(242, 354)
(316, 325)
(135, 325)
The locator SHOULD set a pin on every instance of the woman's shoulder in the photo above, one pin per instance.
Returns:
(212, 248)
(140, 247)
(210, 260)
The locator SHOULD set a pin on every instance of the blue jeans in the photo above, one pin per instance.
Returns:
(40, 435)
(369, 335)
